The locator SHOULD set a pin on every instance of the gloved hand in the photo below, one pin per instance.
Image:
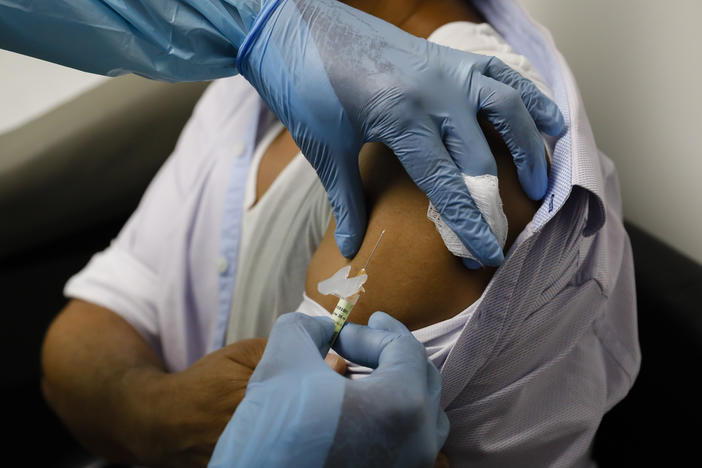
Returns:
(298, 412)
(338, 77)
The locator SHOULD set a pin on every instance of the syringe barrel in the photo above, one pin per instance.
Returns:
(343, 309)
(341, 313)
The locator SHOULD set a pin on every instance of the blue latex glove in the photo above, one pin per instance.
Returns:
(338, 77)
(299, 412)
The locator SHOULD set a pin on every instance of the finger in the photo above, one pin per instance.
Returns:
(466, 144)
(433, 384)
(402, 361)
(544, 111)
(297, 340)
(342, 181)
(336, 362)
(434, 398)
(399, 351)
(421, 151)
(364, 344)
(443, 427)
(382, 321)
(470, 263)
(503, 107)
(246, 352)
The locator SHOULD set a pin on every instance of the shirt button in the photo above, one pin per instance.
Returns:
(222, 265)
(239, 150)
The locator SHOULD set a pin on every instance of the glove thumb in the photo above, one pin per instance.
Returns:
(345, 191)
(297, 341)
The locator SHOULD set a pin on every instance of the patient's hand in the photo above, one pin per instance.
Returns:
(112, 390)
(199, 401)
(195, 405)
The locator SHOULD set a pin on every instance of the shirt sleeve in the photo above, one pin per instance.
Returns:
(126, 277)
(115, 279)
(178, 40)
(129, 276)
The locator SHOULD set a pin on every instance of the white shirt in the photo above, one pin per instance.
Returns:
(280, 233)
(550, 348)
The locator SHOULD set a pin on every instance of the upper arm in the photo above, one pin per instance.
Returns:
(412, 275)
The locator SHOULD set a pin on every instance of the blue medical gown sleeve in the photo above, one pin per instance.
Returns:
(171, 40)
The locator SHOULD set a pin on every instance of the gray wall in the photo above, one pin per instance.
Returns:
(639, 67)
(30, 87)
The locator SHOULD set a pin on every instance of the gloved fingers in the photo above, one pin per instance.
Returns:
(382, 321)
(297, 340)
(342, 181)
(443, 426)
(544, 111)
(504, 108)
(362, 344)
(433, 384)
(365, 344)
(423, 155)
(401, 355)
(466, 144)
(434, 391)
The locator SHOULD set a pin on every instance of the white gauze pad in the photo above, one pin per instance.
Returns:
(486, 194)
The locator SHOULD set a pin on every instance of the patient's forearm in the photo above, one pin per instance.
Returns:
(98, 372)
(112, 391)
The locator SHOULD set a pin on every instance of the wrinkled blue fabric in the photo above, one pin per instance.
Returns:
(335, 76)
(299, 412)
(418, 98)
(171, 40)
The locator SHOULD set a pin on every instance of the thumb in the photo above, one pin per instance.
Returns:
(388, 347)
(247, 352)
(383, 337)
(297, 341)
(342, 181)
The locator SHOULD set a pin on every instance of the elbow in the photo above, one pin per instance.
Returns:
(48, 362)
(48, 393)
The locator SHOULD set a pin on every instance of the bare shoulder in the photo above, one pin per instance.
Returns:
(412, 275)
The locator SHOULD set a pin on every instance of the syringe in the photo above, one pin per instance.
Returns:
(345, 305)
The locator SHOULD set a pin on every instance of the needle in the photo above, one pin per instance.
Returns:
(373, 251)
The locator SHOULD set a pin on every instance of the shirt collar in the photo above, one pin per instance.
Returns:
(576, 160)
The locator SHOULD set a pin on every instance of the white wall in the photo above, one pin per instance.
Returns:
(30, 87)
(639, 67)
